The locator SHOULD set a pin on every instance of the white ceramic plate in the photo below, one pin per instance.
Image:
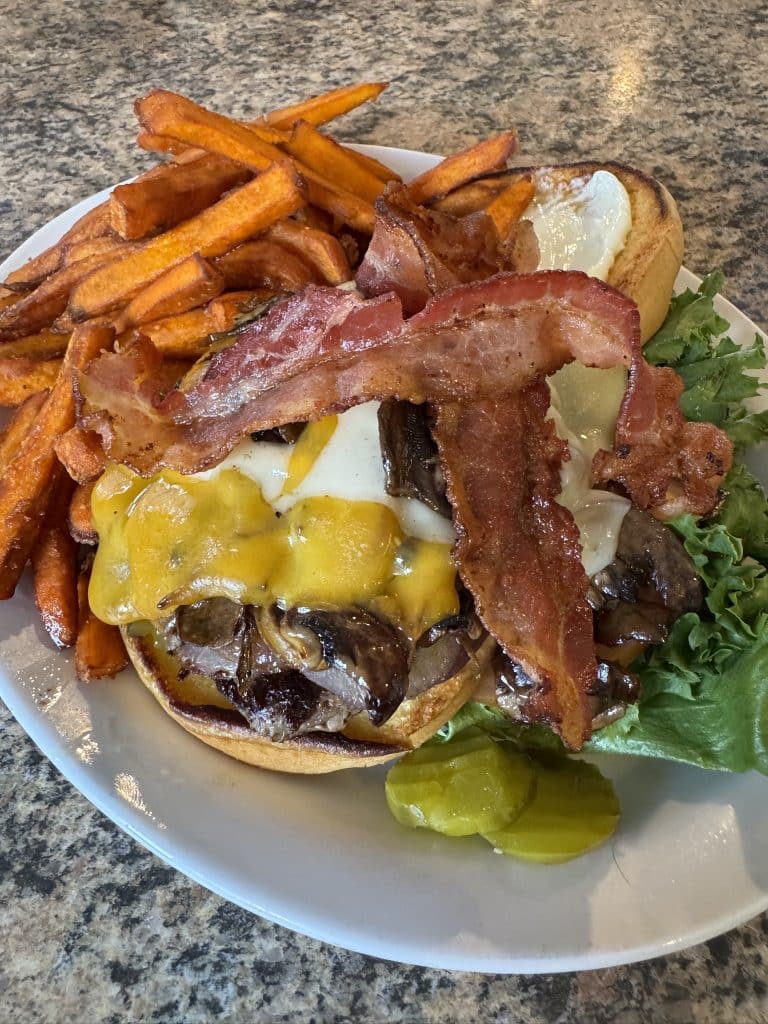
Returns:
(322, 855)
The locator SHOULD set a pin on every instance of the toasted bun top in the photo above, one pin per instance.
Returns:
(196, 705)
(647, 266)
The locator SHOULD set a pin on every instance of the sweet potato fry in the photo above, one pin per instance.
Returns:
(18, 427)
(233, 308)
(333, 162)
(79, 518)
(45, 345)
(320, 109)
(162, 144)
(99, 648)
(63, 324)
(183, 336)
(264, 264)
(81, 454)
(314, 217)
(348, 208)
(54, 569)
(91, 247)
(23, 376)
(238, 216)
(184, 286)
(380, 170)
(509, 206)
(91, 225)
(178, 117)
(319, 249)
(39, 308)
(37, 268)
(487, 156)
(474, 196)
(267, 133)
(151, 204)
(27, 480)
(188, 155)
(158, 143)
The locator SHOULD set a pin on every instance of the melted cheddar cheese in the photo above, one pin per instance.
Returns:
(171, 540)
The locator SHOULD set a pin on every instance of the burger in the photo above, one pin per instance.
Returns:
(373, 505)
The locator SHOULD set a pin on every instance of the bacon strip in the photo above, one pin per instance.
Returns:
(663, 462)
(518, 551)
(324, 350)
(417, 253)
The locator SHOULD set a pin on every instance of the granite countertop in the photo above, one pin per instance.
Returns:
(94, 927)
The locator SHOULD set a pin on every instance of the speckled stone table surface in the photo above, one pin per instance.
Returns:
(92, 927)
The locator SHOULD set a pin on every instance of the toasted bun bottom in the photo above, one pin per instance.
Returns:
(197, 706)
(646, 268)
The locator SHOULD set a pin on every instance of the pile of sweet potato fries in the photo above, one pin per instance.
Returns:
(237, 213)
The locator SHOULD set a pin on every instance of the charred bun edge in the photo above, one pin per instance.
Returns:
(313, 753)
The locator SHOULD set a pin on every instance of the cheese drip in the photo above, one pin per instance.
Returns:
(584, 406)
(307, 525)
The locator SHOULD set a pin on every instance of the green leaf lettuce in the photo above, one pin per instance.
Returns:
(705, 689)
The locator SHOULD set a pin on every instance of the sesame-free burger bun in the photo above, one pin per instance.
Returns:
(196, 704)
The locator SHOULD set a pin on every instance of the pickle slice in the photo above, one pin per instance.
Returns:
(573, 809)
(459, 788)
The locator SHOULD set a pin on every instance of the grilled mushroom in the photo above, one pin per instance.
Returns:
(650, 583)
(289, 433)
(210, 623)
(444, 649)
(409, 454)
(220, 639)
(650, 555)
(364, 660)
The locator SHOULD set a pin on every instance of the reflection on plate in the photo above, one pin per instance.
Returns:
(322, 856)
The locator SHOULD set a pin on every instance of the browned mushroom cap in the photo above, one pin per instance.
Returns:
(650, 583)
(364, 660)
(409, 455)
(443, 649)
(196, 704)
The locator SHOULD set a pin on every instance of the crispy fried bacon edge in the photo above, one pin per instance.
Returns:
(324, 350)
(417, 253)
(665, 463)
(518, 551)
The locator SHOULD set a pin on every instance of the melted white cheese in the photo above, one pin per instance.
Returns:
(584, 406)
(581, 225)
(349, 467)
